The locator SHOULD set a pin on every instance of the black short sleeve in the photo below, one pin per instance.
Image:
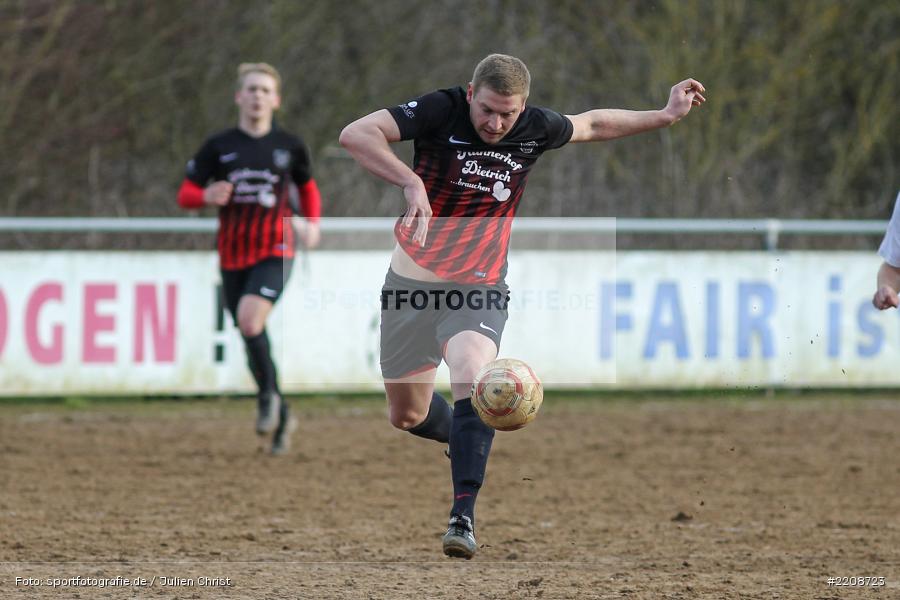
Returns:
(559, 128)
(200, 168)
(301, 167)
(423, 115)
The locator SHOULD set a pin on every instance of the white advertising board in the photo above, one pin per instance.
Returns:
(150, 323)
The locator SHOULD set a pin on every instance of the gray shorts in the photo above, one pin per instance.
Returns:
(418, 318)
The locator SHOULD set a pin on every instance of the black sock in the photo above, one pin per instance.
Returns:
(470, 444)
(436, 425)
(259, 358)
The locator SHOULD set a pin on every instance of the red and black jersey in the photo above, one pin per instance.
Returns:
(474, 187)
(252, 224)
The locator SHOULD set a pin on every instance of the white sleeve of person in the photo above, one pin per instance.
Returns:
(890, 246)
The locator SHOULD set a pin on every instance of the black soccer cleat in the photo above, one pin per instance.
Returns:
(281, 441)
(459, 541)
(268, 406)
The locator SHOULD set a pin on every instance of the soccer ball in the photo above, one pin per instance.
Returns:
(507, 394)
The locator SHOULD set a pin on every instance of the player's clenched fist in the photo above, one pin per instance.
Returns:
(218, 193)
(885, 297)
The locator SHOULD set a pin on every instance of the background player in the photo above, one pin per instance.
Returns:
(474, 148)
(888, 281)
(248, 171)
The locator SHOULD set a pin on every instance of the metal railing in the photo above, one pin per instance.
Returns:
(770, 229)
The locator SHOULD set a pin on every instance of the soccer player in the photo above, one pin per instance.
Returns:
(247, 172)
(888, 281)
(474, 148)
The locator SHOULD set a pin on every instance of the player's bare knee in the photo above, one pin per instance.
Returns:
(249, 323)
(406, 418)
(250, 327)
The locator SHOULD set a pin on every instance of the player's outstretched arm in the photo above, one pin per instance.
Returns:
(368, 141)
(609, 124)
(888, 284)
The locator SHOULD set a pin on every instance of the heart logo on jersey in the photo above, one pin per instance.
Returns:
(266, 198)
(500, 192)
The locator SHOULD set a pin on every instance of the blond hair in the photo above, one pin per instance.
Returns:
(245, 69)
(503, 74)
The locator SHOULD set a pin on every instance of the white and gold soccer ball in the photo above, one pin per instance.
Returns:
(507, 394)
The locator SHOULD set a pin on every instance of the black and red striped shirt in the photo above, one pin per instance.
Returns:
(474, 187)
(252, 226)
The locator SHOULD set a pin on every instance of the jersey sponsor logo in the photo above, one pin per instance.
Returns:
(268, 292)
(226, 158)
(472, 186)
(248, 174)
(281, 158)
(506, 158)
(473, 168)
(453, 140)
(500, 192)
(528, 147)
(252, 186)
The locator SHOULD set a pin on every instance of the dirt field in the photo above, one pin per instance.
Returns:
(630, 498)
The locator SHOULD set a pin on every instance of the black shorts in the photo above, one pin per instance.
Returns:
(266, 279)
(418, 318)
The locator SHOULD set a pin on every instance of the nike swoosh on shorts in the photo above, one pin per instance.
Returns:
(483, 326)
